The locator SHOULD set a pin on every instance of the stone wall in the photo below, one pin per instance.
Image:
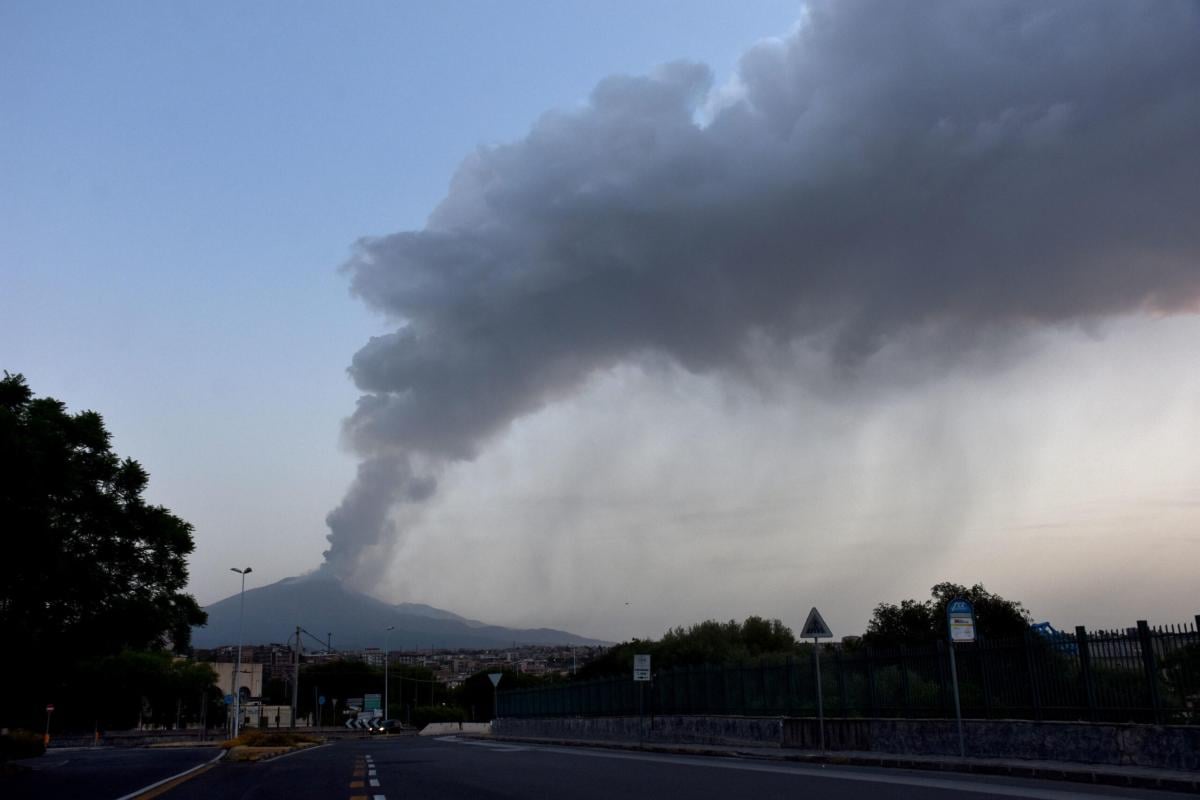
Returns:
(1163, 746)
(746, 731)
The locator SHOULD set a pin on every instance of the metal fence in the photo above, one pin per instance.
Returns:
(1141, 674)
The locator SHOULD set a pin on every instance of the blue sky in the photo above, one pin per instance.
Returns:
(180, 183)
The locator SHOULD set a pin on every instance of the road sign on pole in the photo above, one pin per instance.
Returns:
(228, 699)
(815, 628)
(641, 668)
(495, 677)
(960, 619)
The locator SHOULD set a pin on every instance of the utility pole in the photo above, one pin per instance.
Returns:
(296, 679)
(385, 670)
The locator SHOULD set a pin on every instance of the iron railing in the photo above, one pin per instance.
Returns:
(1141, 674)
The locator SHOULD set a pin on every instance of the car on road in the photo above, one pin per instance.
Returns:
(384, 726)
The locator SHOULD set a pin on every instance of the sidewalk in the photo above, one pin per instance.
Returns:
(1101, 774)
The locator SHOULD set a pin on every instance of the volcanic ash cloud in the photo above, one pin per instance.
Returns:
(887, 169)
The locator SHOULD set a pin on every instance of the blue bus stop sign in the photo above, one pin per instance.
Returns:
(321, 700)
(961, 618)
(228, 699)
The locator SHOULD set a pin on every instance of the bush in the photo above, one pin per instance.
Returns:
(252, 737)
(21, 744)
(423, 715)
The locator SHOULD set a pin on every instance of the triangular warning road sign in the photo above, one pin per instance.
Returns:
(815, 627)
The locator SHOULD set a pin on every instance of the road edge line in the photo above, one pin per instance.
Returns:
(151, 787)
(293, 753)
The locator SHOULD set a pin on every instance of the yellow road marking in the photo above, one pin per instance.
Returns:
(358, 797)
(356, 784)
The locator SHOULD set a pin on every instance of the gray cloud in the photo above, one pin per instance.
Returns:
(887, 169)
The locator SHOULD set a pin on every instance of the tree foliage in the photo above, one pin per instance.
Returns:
(914, 622)
(91, 568)
(708, 642)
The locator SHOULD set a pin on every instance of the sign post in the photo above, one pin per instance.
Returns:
(641, 676)
(960, 618)
(46, 738)
(815, 628)
(495, 677)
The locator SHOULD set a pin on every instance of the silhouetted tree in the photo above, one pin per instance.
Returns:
(90, 569)
(914, 622)
(709, 642)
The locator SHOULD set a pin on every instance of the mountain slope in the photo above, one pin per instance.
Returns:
(322, 605)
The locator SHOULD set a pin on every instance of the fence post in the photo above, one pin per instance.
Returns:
(871, 682)
(1150, 663)
(943, 690)
(841, 677)
(904, 680)
(1085, 670)
(984, 684)
(1035, 694)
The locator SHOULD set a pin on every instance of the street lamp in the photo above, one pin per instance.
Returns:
(237, 670)
(385, 670)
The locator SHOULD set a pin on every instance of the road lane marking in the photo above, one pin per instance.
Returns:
(173, 780)
(298, 752)
(356, 784)
(374, 783)
(717, 762)
(503, 748)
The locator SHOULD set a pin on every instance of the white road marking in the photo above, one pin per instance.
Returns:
(298, 752)
(380, 797)
(503, 748)
(371, 773)
(948, 784)
(374, 783)
(156, 784)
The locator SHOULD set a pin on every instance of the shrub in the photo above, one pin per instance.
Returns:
(21, 744)
(253, 737)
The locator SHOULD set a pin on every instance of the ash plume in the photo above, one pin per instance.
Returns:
(885, 169)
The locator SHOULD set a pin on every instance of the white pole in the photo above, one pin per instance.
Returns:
(237, 670)
(820, 696)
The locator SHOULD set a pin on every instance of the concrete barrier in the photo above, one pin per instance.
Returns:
(1175, 747)
(450, 728)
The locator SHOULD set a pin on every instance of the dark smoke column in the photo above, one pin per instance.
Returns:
(949, 170)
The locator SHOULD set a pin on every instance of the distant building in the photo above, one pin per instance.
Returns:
(251, 683)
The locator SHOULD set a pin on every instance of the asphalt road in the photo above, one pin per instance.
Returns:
(411, 768)
(105, 772)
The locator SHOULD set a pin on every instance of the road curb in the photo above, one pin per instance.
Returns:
(1083, 773)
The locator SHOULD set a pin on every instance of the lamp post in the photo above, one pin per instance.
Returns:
(237, 670)
(390, 628)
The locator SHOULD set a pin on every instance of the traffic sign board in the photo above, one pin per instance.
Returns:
(815, 627)
(961, 618)
(228, 699)
(321, 700)
(641, 667)
(49, 708)
(495, 677)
